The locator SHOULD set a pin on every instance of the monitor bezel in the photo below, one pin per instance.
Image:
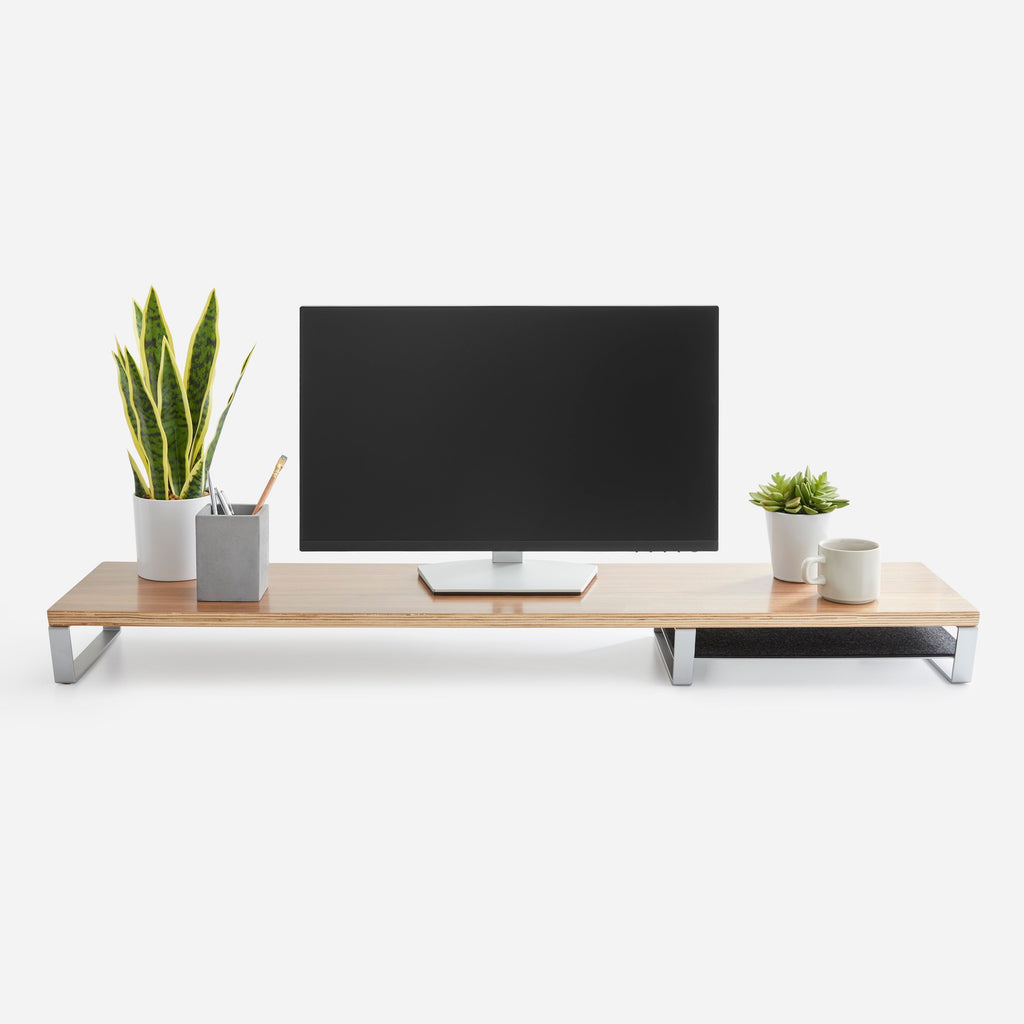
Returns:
(435, 543)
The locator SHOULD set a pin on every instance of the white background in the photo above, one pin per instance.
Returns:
(521, 825)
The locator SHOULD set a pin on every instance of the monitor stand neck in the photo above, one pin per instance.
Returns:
(506, 557)
(507, 573)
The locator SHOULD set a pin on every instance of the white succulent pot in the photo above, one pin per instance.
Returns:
(165, 538)
(792, 538)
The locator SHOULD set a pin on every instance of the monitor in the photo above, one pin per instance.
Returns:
(508, 429)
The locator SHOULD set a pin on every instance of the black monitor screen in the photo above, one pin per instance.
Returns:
(500, 428)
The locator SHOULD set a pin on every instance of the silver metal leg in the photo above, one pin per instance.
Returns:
(963, 657)
(676, 647)
(66, 667)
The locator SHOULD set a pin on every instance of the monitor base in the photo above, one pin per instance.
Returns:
(491, 576)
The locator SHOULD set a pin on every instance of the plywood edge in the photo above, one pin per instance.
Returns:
(367, 620)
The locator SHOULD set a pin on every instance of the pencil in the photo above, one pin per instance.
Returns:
(270, 483)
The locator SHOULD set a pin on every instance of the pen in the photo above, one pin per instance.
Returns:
(270, 483)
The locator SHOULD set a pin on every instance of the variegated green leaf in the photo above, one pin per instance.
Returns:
(125, 387)
(154, 330)
(151, 434)
(220, 423)
(139, 317)
(141, 489)
(200, 364)
(128, 403)
(175, 420)
(195, 482)
(199, 431)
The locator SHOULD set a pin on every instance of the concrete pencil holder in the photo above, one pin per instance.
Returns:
(232, 554)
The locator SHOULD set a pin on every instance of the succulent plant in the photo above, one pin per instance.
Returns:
(168, 412)
(800, 494)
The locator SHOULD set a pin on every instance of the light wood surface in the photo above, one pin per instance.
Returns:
(623, 595)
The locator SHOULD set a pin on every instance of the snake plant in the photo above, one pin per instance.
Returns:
(168, 412)
(800, 494)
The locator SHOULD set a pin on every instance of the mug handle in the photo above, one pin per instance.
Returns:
(805, 567)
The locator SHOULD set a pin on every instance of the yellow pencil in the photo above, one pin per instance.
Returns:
(270, 483)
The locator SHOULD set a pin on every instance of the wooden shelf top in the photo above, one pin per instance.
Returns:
(638, 595)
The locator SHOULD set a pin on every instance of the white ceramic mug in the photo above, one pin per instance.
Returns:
(852, 570)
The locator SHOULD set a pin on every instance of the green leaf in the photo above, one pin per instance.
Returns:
(125, 387)
(139, 317)
(151, 434)
(141, 490)
(197, 476)
(175, 420)
(220, 423)
(154, 330)
(200, 364)
(128, 405)
(801, 493)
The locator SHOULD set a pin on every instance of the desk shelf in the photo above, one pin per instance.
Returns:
(705, 610)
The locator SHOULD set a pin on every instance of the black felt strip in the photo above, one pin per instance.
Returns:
(838, 642)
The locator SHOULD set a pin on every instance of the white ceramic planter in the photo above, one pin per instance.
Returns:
(792, 538)
(165, 538)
